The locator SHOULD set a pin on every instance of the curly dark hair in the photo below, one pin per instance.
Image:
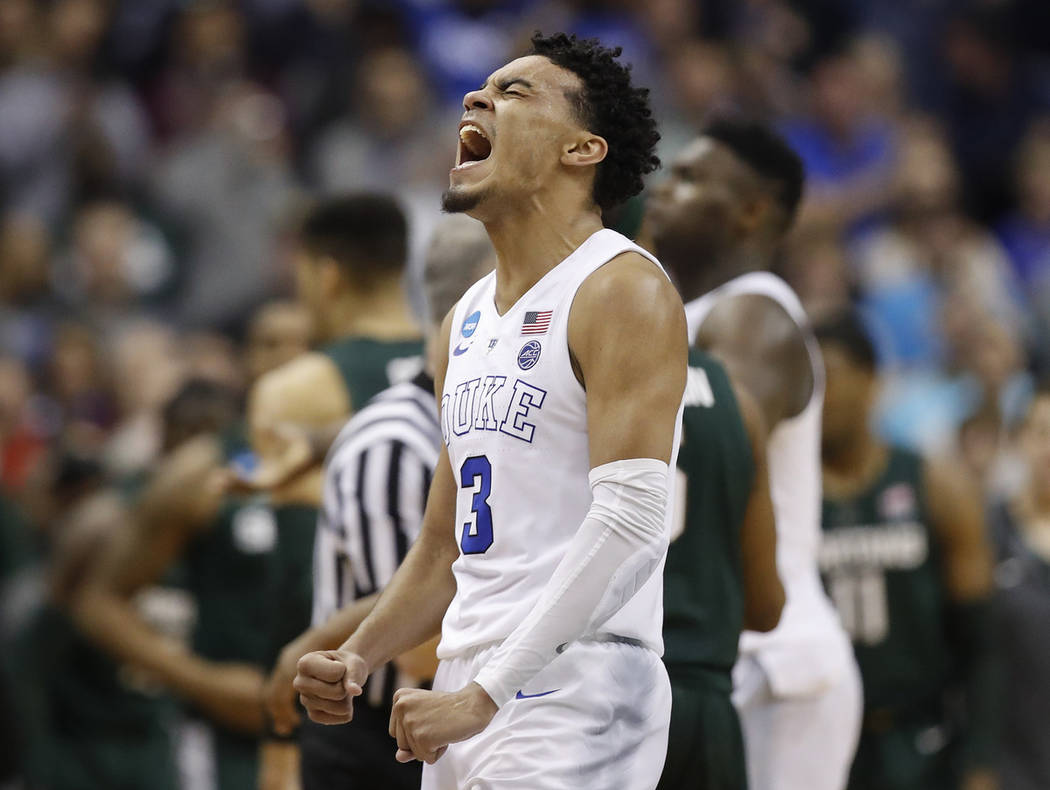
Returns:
(611, 107)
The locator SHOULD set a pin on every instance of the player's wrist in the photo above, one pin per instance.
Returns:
(355, 656)
(479, 700)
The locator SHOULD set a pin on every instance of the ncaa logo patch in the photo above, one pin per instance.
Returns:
(470, 323)
(529, 355)
(470, 326)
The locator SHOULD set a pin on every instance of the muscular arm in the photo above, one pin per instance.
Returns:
(958, 520)
(764, 352)
(959, 527)
(633, 370)
(763, 592)
(179, 501)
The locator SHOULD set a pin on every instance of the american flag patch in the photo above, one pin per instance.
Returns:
(536, 322)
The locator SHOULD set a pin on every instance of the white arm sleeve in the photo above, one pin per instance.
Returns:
(613, 553)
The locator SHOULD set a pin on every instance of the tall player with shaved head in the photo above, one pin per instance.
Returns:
(560, 385)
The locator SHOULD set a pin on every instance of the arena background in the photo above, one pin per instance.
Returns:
(154, 155)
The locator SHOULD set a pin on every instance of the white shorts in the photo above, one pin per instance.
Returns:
(596, 718)
(798, 743)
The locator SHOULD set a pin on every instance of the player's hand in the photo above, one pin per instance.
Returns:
(424, 723)
(289, 453)
(279, 693)
(327, 682)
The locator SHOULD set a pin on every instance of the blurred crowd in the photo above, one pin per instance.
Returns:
(155, 154)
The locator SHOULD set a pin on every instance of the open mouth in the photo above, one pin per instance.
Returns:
(474, 146)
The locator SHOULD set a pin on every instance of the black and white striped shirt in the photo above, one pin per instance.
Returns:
(376, 479)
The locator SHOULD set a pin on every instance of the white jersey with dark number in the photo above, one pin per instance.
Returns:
(514, 418)
(808, 650)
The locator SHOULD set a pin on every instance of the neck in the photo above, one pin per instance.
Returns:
(530, 243)
(854, 464)
(381, 312)
(696, 280)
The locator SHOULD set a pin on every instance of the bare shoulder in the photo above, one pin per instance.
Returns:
(633, 289)
(308, 388)
(764, 349)
(754, 321)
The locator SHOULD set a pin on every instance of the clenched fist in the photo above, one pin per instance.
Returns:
(327, 682)
(424, 723)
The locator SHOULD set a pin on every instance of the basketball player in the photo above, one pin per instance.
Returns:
(349, 263)
(223, 547)
(721, 575)
(350, 257)
(560, 383)
(732, 194)
(907, 565)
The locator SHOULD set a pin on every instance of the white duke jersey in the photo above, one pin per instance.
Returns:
(808, 649)
(514, 419)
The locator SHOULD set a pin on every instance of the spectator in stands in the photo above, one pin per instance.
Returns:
(910, 271)
(848, 149)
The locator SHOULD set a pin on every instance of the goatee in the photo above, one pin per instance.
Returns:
(457, 200)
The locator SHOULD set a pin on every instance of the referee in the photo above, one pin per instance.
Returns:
(376, 479)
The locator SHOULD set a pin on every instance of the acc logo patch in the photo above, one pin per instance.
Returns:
(529, 355)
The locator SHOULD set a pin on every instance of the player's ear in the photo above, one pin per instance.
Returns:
(754, 214)
(587, 149)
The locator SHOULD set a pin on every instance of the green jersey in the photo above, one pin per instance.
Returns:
(368, 366)
(703, 587)
(293, 574)
(229, 570)
(882, 570)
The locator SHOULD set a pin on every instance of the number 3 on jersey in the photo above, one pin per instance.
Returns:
(476, 474)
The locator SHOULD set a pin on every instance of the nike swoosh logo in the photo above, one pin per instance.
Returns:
(530, 696)
(460, 350)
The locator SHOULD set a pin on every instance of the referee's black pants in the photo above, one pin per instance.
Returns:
(355, 756)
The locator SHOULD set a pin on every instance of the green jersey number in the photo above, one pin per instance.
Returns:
(860, 597)
(698, 393)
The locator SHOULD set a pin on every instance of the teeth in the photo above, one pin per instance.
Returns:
(471, 128)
